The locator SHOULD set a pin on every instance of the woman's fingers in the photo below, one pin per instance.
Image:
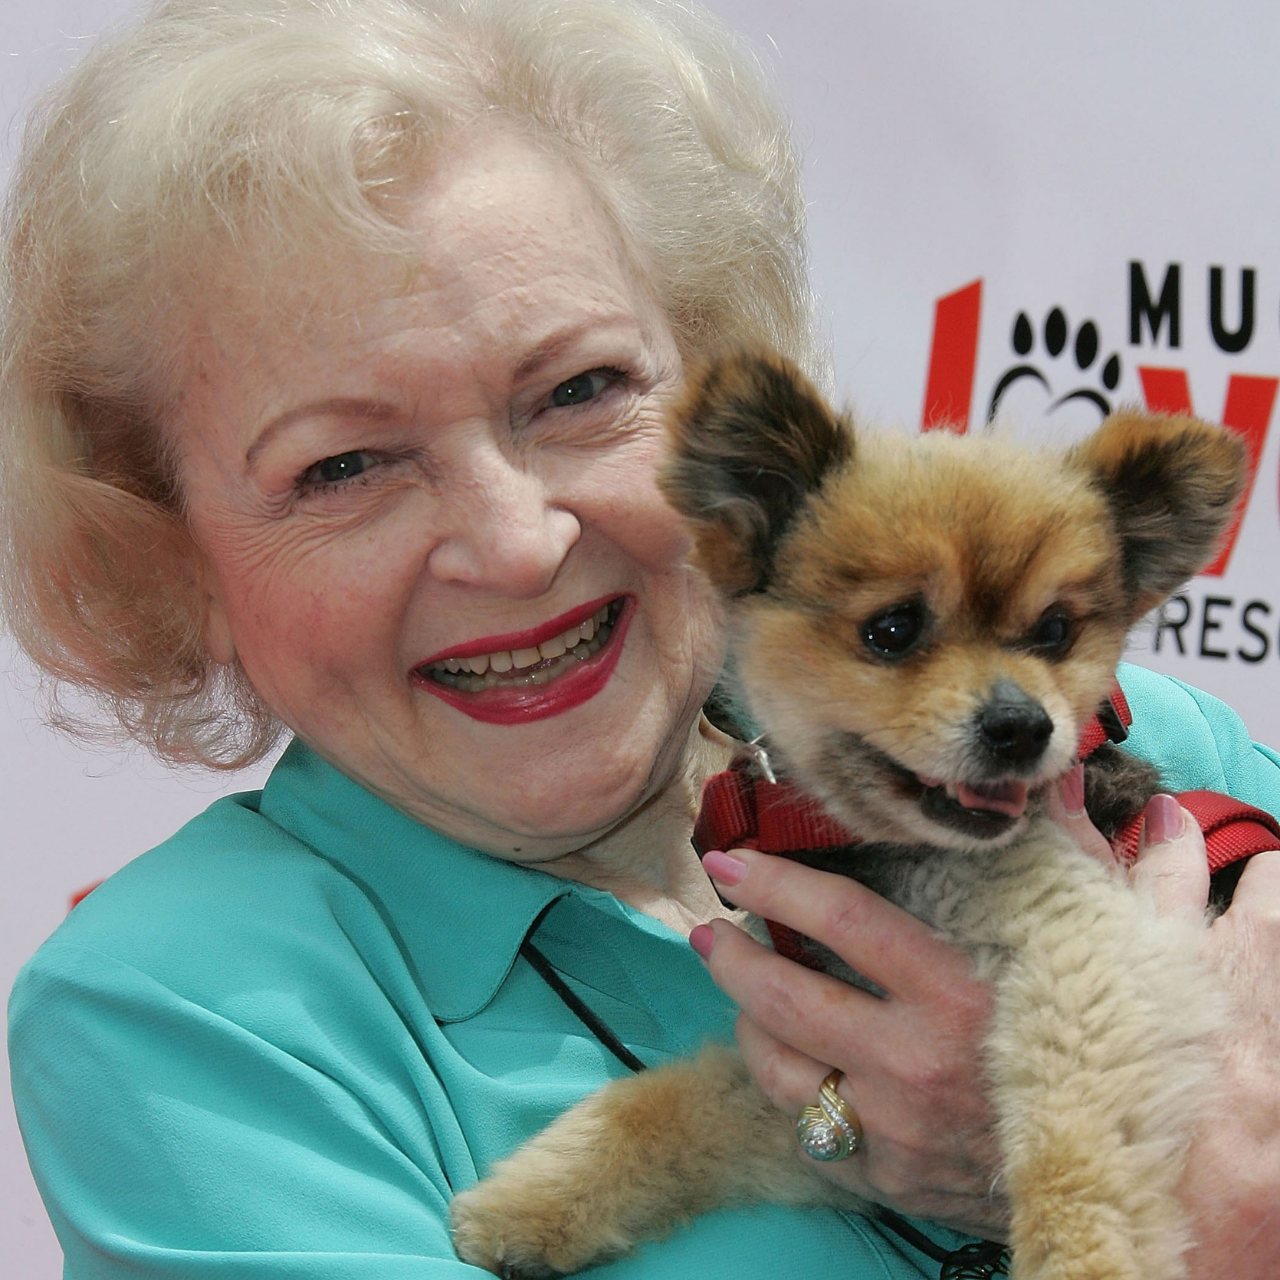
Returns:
(881, 941)
(922, 1056)
(1258, 892)
(1230, 1187)
(901, 1162)
(1064, 804)
(1171, 863)
(894, 1128)
(911, 1063)
(816, 1014)
(789, 1078)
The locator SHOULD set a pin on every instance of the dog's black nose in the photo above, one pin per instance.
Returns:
(1013, 728)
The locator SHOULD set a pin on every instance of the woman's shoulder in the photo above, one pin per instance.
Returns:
(1196, 741)
(226, 902)
(233, 941)
(212, 1048)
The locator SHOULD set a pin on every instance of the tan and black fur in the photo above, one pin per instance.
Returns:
(922, 626)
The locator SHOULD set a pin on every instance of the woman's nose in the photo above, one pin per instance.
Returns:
(504, 533)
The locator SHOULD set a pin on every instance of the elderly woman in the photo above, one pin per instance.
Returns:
(337, 344)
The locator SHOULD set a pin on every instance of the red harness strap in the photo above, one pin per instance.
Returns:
(740, 809)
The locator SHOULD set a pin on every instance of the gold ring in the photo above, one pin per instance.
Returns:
(831, 1129)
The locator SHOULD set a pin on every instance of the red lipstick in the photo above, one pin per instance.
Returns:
(522, 704)
(521, 639)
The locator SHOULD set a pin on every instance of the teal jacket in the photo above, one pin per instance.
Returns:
(275, 1045)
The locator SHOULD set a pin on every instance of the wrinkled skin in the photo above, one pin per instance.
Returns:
(389, 467)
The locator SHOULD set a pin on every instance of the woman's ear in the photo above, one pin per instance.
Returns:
(1172, 484)
(751, 440)
(217, 626)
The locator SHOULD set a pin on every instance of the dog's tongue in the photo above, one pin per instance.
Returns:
(998, 797)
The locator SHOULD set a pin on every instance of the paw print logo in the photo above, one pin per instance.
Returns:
(1055, 368)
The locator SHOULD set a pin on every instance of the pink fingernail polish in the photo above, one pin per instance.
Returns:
(724, 867)
(1071, 789)
(1162, 820)
(702, 938)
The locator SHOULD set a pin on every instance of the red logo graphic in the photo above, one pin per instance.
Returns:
(953, 362)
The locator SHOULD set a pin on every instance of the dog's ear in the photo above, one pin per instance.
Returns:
(751, 441)
(1172, 484)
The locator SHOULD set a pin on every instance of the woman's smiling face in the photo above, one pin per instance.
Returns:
(434, 539)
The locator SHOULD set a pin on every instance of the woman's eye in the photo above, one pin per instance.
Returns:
(342, 466)
(583, 387)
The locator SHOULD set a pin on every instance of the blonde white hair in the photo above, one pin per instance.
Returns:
(218, 137)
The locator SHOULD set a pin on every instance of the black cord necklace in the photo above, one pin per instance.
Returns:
(980, 1260)
(584, 1014)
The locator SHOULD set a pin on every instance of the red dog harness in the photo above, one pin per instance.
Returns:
(741, 809)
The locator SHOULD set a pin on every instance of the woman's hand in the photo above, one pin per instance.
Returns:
(1232, 1182)
(1231, 1187)
(912, 1063)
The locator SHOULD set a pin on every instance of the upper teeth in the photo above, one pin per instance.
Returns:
(505, 659)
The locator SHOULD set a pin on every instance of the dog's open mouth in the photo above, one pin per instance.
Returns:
(1008, 797)
(982, 809)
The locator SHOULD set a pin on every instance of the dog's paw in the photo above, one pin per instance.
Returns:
(525, 1228)
(625, 1166)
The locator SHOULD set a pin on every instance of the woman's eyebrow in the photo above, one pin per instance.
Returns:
(548, 349)
(557, 343)
(335, 406)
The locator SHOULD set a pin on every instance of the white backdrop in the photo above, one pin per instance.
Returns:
(1012, 159)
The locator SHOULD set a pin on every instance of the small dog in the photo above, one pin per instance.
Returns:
(922, 626)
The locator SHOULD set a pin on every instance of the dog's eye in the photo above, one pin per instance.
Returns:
(896, 631)
(1052, 634)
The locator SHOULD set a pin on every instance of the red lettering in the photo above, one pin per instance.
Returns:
(953, 360)
(1165, 390)
(1247, 411)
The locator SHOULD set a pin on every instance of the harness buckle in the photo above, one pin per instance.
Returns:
(756, 753)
